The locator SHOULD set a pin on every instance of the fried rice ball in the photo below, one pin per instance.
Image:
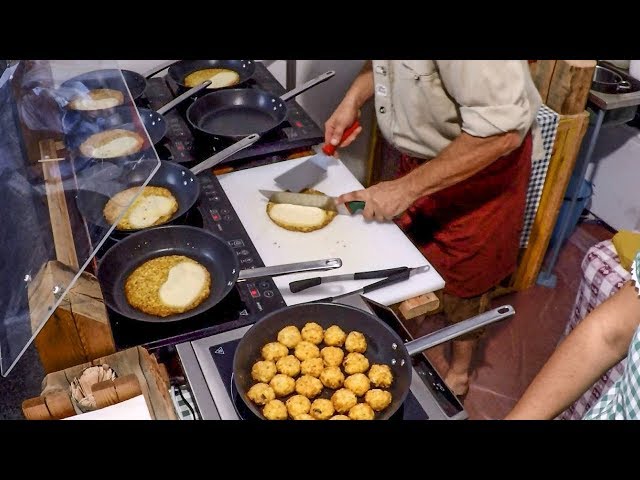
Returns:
(322, 409)
(282, 385)
(305, 350)
(334, 336)
(288, 365)
(297, 405)
(343, 400)
(381, 376)
(332, 356)
(275, 410)
(355, 363)
(289, 336)
(312, 366)
(308, 386)
(378, 399)
(358, 383)
(339, 417)
(263, 371)
(261, 394)
(355, 342)
(274, 351)
(303, 416)
(313, 333)
(332, 377)
(361, 411)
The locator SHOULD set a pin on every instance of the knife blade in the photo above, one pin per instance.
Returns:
(311, 200)
(390, 280)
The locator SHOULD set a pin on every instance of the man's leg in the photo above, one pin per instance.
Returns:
(462, 349)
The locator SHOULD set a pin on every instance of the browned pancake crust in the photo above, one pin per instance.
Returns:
(114, 206)
(142, 287)
(328, 217)
(98, 94)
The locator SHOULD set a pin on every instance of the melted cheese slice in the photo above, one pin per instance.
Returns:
(148, 209)
(224, 79)
(91, 104)
(184, 283)
(115, 147)
(297, 215)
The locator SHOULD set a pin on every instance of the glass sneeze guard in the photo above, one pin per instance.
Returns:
(69, 130)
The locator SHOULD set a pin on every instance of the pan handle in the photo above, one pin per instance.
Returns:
(157, 69)
(226, 153)
(316, 265)
(454, 331)
(181, 98)
(306, 86)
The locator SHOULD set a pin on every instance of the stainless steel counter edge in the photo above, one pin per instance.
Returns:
(198, 385)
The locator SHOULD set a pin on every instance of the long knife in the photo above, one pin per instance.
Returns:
(311, 200)
(391, 280)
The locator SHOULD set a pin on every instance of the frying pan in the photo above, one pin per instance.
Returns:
(79, 127)
(211, 251)
(235, 113)
(179, 70)
(384, 346)
(97, 187)
(106, 78)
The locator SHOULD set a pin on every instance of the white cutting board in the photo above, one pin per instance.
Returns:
(361, 245)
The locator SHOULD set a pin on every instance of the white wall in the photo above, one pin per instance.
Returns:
(616, 176)
(319, 101)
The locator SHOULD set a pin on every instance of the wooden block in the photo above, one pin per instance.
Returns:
(59, 405)
(78, 330)
(104, 393)
(127, 387)
(36, 409)
(541, 72)
(420, 305)
(570, 86)
(571, 131)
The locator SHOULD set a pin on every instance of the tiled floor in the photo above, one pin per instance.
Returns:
(513, 351)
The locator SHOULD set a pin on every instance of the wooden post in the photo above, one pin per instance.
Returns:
(571, 130)
(570, 86)
(78, 330)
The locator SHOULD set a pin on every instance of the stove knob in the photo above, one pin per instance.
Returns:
(268, 293)
(264, 284)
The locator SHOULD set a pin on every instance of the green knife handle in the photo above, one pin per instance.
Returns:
(355, 206)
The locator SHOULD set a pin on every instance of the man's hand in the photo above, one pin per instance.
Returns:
(384, 201)
(341, 119)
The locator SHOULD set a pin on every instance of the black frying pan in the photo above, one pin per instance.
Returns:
(79, 127)
(211, 251)
(384, 346)
(179, 70)
(106, 180)
(235, 113)
(108, 78)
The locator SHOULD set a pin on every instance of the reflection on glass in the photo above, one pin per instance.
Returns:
(69, 129)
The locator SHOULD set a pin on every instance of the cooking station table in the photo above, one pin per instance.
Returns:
(249, 301)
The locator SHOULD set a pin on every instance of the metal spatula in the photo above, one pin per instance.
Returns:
(312, 170)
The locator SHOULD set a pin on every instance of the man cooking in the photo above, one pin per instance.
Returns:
(463, 128)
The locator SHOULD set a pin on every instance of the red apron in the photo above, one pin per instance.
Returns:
(470, 232)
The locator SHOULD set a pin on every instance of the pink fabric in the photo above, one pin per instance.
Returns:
(602, 277)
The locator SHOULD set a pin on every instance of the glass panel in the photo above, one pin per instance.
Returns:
(71, 138)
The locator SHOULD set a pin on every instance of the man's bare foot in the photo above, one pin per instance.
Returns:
(458, 383)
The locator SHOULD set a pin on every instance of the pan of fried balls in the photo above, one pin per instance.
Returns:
(322, 362)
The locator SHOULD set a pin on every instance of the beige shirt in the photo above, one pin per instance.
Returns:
(422, 105)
